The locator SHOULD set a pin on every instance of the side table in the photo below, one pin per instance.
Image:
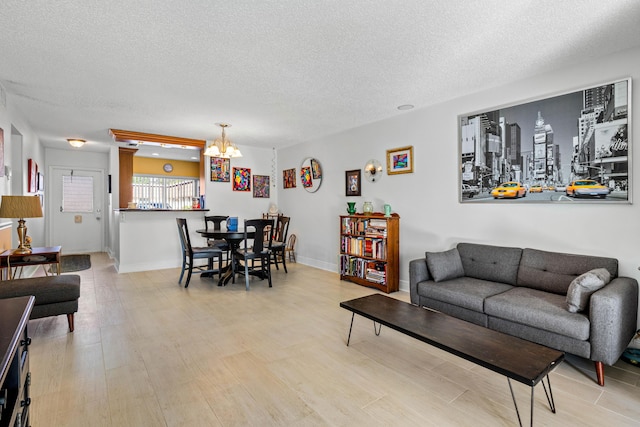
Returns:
(39, 256)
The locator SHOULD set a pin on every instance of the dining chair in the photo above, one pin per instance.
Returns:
(280, 242)
(216, 222)
(276, 218)
(259, 251)
(290, 249)
(190, 254)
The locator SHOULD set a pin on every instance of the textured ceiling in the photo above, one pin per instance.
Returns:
(281, 71)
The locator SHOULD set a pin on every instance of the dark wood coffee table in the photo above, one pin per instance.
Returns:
(515, 358)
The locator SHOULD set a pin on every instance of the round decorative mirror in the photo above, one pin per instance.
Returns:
(311, 174)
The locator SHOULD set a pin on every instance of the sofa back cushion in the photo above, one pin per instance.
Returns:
(554, 271)
(495, 263)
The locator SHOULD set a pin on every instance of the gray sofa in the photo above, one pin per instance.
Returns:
(525, 293)
(55, 295)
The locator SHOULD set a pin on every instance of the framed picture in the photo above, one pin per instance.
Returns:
(261, 186)
(352, 182)
(220, 168)
(289, 178)
(305, 176)
(400, 160)
(40, 182)
(241, 179)
(316, 170)
(572, 147)
(32, 175)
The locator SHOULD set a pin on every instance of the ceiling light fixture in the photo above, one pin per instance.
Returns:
(76, 143)
(405, 107)
(222, 147)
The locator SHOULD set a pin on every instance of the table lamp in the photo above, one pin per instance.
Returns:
(21, 207)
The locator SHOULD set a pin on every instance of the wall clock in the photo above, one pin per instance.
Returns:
(373, 170)
(168, 167)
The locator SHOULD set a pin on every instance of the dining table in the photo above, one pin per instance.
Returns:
(234, 238)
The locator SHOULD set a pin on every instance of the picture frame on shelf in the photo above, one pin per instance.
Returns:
(353, 182)
(569, 147)
(400, 160)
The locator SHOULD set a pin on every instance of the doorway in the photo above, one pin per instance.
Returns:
(76, 202)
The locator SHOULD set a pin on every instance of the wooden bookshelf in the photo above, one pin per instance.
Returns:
(369, 250)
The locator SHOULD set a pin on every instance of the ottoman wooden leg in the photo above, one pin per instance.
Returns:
(70, 321)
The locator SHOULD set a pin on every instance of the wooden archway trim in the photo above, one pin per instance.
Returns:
(132, 136)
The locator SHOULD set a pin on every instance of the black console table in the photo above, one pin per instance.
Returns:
(14, 371)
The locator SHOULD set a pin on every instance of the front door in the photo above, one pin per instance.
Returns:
(75, 203)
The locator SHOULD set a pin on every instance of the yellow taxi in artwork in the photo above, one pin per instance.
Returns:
(510, 190)
(587, 188)
(536, 188)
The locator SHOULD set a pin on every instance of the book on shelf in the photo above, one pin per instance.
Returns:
(364, 246)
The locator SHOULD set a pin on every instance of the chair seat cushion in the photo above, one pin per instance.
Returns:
(206, 252)
(222, 244)
(249, 254)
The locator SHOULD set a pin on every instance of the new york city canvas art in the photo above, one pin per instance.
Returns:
(570, 148)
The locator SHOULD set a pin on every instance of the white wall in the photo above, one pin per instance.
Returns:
(432, 219)
(31, 149)
(149, 239)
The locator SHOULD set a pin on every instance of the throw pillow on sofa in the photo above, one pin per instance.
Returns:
(444, 265)
(583, 286)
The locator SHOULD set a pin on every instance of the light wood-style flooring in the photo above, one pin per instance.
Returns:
(148, 352)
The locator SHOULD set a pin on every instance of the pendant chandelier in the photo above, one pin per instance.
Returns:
(222, 147)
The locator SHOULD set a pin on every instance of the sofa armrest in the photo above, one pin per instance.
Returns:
(418, 272)
(613, 314)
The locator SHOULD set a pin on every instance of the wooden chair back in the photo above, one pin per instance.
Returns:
(215, 221)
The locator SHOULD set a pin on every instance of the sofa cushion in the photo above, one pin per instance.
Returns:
(583, 286)
(538, 309)
(465, 292)
(47, 290)
(495, 263)
(553, 271)
(444, 265)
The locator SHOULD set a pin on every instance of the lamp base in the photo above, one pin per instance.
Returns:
(22, 233)
(21, 251)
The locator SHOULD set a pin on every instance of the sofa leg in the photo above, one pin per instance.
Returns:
(600, 373)
(70, 321)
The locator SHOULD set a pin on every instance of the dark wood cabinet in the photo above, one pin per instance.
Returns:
(14, 348)
(369, 246)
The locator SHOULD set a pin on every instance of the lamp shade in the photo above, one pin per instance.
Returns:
(20, 207)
